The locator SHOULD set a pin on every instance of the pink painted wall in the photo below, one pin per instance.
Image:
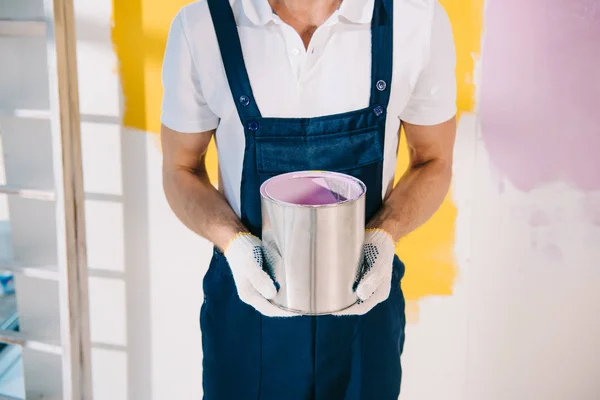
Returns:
(540, 91)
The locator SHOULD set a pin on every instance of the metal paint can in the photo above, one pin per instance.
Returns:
(313, 236)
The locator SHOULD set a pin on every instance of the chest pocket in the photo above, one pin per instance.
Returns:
(338, 152)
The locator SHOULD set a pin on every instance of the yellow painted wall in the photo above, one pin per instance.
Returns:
(140, 29)
(139, 34)
(428, 252)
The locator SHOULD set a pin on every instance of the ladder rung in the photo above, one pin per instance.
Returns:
(5, 397)
(49, 272)
(34, 194)
(47, 114)
(25, 113)
(15, 27)
(28, 342)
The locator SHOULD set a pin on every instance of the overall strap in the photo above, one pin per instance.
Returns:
(382, 52)
(233, 58)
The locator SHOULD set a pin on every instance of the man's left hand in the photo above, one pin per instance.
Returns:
(375, 278)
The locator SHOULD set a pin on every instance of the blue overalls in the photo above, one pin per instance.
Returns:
(250, 356)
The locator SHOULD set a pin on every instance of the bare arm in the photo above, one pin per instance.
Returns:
(424, 185)
(192, 197)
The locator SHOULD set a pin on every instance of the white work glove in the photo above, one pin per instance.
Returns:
(376, 274)
(254, 286)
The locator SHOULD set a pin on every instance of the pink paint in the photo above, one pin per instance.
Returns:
(552, 253)
(313, 188)
(541, 89)
(539, 218)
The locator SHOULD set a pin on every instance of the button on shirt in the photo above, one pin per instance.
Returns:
(332, 75)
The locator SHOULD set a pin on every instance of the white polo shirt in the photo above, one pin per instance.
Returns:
(332, 76)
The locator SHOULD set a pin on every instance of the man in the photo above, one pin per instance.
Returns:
(276, 78)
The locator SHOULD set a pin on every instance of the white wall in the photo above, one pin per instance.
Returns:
(523, 321)
(145, 268)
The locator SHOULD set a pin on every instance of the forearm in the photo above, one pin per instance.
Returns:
(200, 207)
(415, 198)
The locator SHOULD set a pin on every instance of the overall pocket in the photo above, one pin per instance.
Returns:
(337, 152)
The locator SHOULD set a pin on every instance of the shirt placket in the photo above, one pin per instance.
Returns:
(302, 59)
(295, 51)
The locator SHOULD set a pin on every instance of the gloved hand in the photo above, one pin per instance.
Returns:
(254, 286)
(375, 278)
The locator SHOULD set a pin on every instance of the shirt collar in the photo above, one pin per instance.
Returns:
(259, 12)
(357, 11)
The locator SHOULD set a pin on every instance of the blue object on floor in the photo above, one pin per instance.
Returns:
(7, 283)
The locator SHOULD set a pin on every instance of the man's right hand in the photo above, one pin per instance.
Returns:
(205, 211)
(255, 287)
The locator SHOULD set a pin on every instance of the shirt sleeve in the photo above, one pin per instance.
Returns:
(433, 100)
(184, 108)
